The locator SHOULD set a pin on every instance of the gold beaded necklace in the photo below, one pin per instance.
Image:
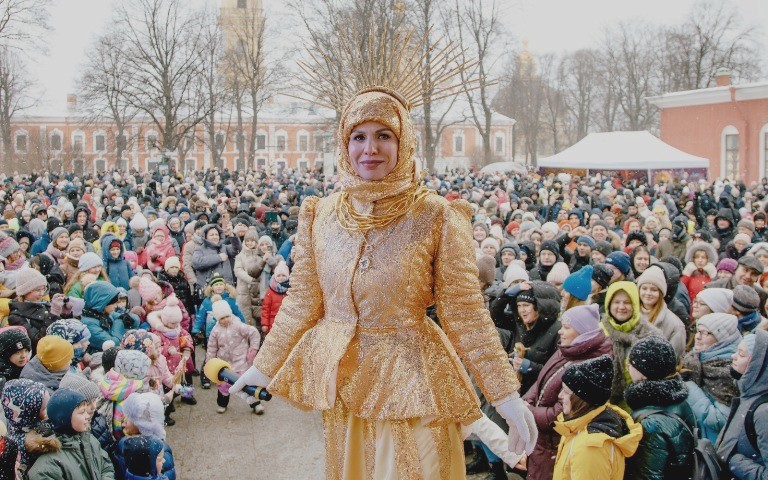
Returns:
(392, 209)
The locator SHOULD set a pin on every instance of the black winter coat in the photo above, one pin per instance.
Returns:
(35, 317)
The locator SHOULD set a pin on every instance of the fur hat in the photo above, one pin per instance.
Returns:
(148, 289)
(28, 280)
(654, 357)
(171, 262)
(88, 261)
(54, 353)
(486, 266)
(591, 381)
(221, 309)
(654, 276)
(745, 299)
(722, 325)
(719, 300)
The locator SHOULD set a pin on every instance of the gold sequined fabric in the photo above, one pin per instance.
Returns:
(356, 311)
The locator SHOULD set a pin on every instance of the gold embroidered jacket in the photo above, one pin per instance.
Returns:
(357, 302)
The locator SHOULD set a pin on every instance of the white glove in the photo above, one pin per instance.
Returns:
(252, 376)
(522, 425)
(710, 270)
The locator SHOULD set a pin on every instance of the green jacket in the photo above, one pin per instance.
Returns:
(69, 457)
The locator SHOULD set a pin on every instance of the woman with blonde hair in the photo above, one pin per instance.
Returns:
(653, 287)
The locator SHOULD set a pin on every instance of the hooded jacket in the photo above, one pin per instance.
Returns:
(77, 456)
(623, 337)
(733, 445)
(206, 261)
(595, 446)
(35, 317)
(118, 269)
(22, 401)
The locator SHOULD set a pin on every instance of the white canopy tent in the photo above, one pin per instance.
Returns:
(503, 167)
(623, 151)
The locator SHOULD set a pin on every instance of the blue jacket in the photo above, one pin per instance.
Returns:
(97, 297)
(119, 270)
(40, 245)
(169, 467)
(205, 318)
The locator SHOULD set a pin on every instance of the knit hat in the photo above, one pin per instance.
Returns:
(171, 262)
(486, 266)
(559, 273)
(620, 260)
(221, 309)
(551, 246)
(132, 364)
(76, 243)
(591, 380)
(60, 408)
(78, 382)
(751, 262)
(727, 264)
(602, 275)
(148, 289)
(171, 314)
(55, 353)
(8, 246)
(146, 411)
(749, 342)
(216, 278)
(490, 241)
(57, 232)
(745, 299)
(115, 244)
(654, 357)
(138, 222)
(654, 276)
(88, 261)
(513, 273)
(603, 247)
(28, 280)
(585, 319)
(722, 325)
(138, 339)
(579, 283)
(13, 339)
(71, 330)
(526, 296)
(140, 452)
(587, 240)
(748, 224)
(282, 267)
(718, 300)
(742, 238)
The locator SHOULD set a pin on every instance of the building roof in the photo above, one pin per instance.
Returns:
(713, 95)
(622, 151)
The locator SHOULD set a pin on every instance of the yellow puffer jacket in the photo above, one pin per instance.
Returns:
(594, 446)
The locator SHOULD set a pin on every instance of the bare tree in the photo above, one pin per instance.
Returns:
(554, 108)
(15, 97)
(23, 23)
(477, 30)
(579, 72)
(215, 94)
(713, 36)
(103, 90)
(163, 41)
(633, 68)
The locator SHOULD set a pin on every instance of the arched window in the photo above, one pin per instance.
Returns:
(99, 142)
(56, 141)
(281, 140)
(458, 143)
(100, 165)
(78, 141)
(21, 141)
(729, 156)
(499, 143)
(302, 141)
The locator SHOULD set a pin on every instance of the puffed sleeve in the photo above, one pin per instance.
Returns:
(461, 308)
(302, 306)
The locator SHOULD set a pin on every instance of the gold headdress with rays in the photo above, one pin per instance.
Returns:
(381, 56)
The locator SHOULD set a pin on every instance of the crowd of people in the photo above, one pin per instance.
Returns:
(633, 313)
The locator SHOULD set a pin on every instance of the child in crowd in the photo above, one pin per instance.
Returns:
(52, 362)
(77, 334)
(15, 348)
(278, 288)
(172, 274)
(119, 383)
(24, 406)
(176, 343)
(144, 418)
(72, 452)
(234, 342)
(117, 268)
(144, 456)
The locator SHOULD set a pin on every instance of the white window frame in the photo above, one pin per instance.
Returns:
(96, 134)
(96, 162)
(299, 135)
(58, 132)
(20, 133)
(81, 135)
(763, 151)
(190, 164)
(456, 135)
(729, 130)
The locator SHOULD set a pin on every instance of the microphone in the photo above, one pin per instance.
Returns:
(219, 371)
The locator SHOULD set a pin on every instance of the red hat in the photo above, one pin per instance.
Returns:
(512, 226)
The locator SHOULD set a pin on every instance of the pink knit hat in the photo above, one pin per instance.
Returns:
(171, 313)
(148, 289)
(282, 268)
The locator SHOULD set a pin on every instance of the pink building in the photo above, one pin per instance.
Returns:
(728, 124)
(292, 135)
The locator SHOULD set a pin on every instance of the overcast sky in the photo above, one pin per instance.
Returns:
(547, 25)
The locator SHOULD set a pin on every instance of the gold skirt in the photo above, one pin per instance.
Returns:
(359, 449)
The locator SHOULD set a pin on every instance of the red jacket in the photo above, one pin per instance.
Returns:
(269, 307)
(695, 282)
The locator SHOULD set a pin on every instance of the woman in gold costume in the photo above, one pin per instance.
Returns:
(352, 339)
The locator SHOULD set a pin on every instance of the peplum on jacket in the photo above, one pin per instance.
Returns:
(354, 317)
